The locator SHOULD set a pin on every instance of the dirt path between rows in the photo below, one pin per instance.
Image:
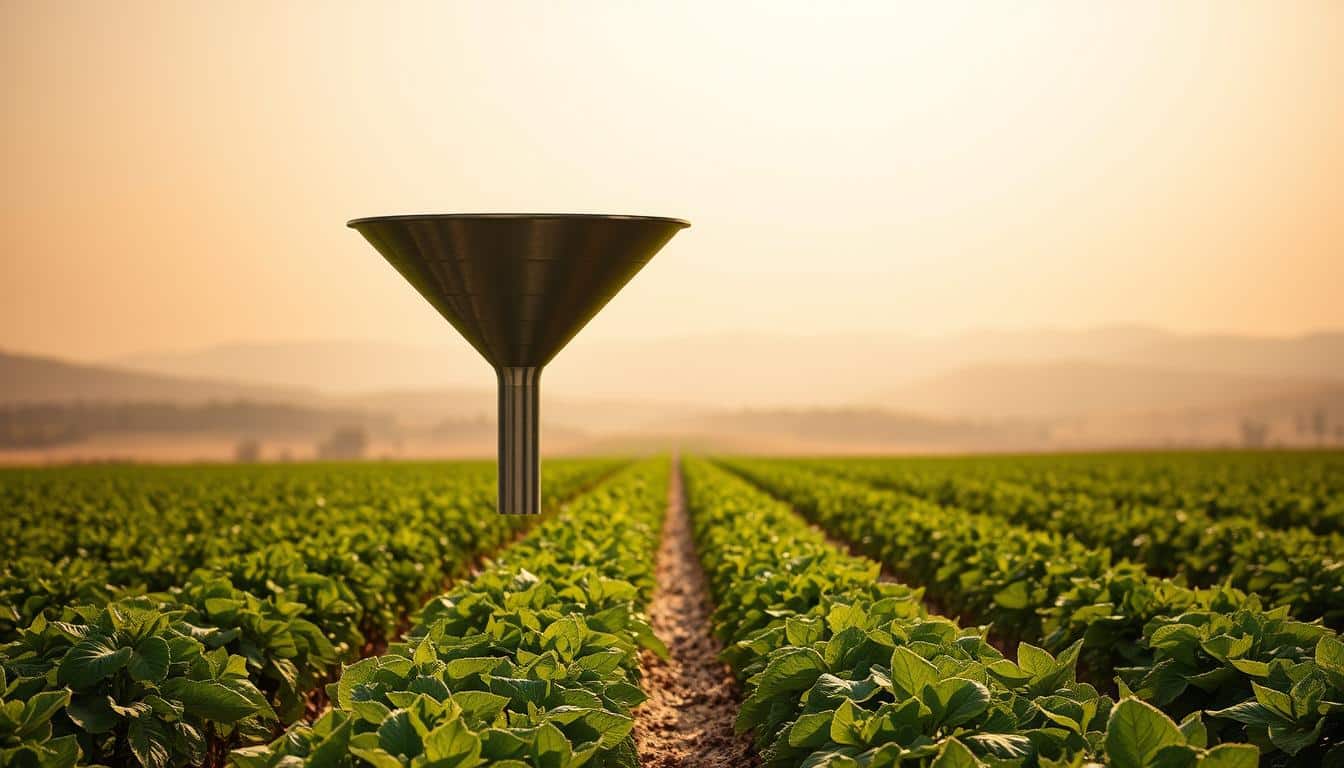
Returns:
(688, 720)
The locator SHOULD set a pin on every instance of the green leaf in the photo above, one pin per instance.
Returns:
(480, 705)
(552, 748)
(166, 710)
(1330, 654)
(789, 671)
(844, 730)
(1035, 661)
(1293, 738)
(602, 662)
(257, 756)
(149, 742)
(41, 708)
(1277, 702)
(398, 735)
(803, 632)
(93, 713)
(498, 744)
(370, 711)
(1251, 667)
(1175, 756)
(365, 747)
(1330, 658)
(61, 752)
(954, 754)
(211, 699)
(91, 661)
(462, 669)
(1194, 730)
(518, 691)
(357, 674)
(611, 728)
(333, 751)
(453, 745)
(1136, 732)
(564, 637)
(150, 660)
(811, 730)
(1231, 756)
(1008, 672)
(625, 694)
(959, 701)
(1014, 597)
(1001, 745)
(911, 672)
(1250, 713)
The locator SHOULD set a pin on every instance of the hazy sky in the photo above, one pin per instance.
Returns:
(178, 174)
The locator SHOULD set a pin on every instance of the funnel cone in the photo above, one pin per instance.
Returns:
(518, 287)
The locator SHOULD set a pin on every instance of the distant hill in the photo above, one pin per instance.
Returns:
(711, 397)
(33, 379)
(751, 370)
(38, 425)
(333, 367)
(29, 379)
(1311, 356)
(1050, 391)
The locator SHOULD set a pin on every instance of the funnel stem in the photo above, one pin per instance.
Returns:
(519, 440)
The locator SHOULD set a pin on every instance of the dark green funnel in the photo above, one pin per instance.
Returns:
(518, 287)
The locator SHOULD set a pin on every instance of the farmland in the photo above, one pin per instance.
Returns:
(1130, 610)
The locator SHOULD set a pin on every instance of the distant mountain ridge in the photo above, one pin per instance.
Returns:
(333, 367)
(1066, 389)
(51, 404)
(36, 379)
(1052, 402)
(753, 369)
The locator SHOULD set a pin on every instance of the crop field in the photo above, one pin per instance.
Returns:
(1132, 610)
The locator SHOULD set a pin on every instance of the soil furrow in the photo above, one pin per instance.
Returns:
(693, 698)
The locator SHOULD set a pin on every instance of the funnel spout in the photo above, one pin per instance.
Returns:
(518, 287)
(519, 440)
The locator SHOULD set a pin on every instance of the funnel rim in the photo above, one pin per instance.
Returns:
(354, 223)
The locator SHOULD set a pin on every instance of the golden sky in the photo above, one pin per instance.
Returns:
(178, 174)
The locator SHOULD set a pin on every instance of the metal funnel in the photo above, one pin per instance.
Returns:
(518, 287)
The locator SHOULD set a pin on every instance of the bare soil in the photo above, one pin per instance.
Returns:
(688, 720)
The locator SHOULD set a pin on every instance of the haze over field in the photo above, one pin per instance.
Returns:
(914, 225)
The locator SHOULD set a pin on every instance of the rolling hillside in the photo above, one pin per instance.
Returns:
(1051, 391)
(34, 379)
(751, 370)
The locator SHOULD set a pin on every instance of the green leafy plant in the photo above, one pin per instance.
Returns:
(27, 737)
(842, 670)
(1204, 540)
(1140, 736)
(136, 685)
(246, 629)
(1181, 649)
(534, 662)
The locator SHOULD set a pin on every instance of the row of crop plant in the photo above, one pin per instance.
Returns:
(89, 535)
(1292, 567)
(173, 677)
(1262, 676)
(531, 664)
(1279, 489)
(841, 670)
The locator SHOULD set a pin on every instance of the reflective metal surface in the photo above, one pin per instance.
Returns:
(518, 287)
(519, 441)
